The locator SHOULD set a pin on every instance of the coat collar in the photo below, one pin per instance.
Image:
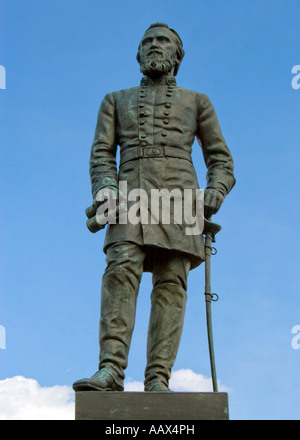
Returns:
(165, 81)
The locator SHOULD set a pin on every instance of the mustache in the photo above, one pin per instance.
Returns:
(155, 51)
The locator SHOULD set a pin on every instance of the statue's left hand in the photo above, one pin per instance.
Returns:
(213, 200)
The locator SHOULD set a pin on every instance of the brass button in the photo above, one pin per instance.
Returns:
(167, 113)
(143, 136)
(164, 143)
(164, 133)
(168, 105)
(166, 121)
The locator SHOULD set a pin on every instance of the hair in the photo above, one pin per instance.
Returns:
(180, 51)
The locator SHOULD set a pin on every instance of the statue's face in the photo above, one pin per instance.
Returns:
(158, 52)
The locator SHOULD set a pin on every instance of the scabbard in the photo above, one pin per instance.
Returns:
(208, 298)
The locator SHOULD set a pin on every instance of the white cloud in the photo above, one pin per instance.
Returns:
(133, 385)
(25, 399)
(187, 380)
(182, 380)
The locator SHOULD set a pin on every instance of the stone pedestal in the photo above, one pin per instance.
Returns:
(110, 406)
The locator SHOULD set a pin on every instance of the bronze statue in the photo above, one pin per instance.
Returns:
(155, 126)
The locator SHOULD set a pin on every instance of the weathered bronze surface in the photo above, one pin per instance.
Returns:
(151, 406)
(155, 126)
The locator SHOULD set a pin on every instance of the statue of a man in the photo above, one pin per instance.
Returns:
(155, 126)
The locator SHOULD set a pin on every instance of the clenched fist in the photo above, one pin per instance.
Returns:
(213, 200)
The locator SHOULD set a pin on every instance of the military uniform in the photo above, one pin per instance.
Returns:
(155, 127)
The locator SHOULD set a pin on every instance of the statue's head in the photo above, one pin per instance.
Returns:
(160, 51)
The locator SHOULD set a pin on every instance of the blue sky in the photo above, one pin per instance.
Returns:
(61, 58)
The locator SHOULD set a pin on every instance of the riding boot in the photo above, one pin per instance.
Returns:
(118, 307)
(168, 302)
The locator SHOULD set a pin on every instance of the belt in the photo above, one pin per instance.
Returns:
(150, 152)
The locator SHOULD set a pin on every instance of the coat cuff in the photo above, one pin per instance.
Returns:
(104, 183)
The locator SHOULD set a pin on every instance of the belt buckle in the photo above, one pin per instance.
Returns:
(154, 152)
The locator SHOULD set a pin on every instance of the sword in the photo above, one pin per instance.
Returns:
(210, 230)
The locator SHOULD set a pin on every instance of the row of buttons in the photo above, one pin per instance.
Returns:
(143, 113)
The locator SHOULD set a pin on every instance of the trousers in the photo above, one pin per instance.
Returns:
(119, 292)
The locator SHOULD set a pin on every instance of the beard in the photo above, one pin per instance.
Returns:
(156, 64)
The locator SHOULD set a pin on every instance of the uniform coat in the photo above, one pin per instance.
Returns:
(155, 127)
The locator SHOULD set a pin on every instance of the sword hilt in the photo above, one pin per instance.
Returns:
(211, 229)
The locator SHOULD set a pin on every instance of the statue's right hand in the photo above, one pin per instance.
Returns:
(105, 194)
(91, 211)
(102, 196)
(108, 194)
